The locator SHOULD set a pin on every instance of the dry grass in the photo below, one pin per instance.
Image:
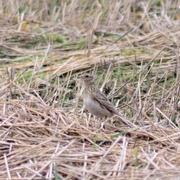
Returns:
(133, 48)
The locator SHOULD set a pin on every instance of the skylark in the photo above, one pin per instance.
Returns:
(94, 100)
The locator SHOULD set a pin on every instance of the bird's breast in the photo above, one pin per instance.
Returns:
(94, 107)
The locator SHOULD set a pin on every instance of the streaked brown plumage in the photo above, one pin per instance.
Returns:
(94, 100)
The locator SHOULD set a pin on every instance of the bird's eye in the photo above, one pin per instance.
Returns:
(86, 75)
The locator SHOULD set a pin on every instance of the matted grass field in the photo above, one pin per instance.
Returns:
(133, 49)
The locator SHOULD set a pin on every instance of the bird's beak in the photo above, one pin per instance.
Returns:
(80, 77)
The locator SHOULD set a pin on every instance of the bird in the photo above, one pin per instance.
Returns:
(94, 100)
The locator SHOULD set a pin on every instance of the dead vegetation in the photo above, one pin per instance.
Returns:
(132, 47)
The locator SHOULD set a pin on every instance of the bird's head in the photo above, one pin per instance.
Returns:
(87, 78)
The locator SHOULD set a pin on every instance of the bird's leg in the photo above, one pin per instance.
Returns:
(103, 121)
(88, 118)
(102, 126)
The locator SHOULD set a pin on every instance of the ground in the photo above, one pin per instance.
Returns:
(132, 49)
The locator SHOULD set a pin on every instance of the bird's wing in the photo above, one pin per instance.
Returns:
(103, 101)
